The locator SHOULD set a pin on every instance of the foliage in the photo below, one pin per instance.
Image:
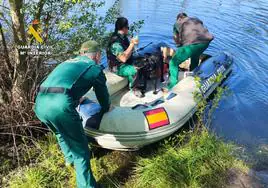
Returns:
(63, 27)
(205, 108)
(47, 170)
(184, 160)
(202, 161)
(67, 24)
(47, 167)
(113, 168)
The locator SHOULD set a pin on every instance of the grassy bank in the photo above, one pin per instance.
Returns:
(193, 159)
(197, 160)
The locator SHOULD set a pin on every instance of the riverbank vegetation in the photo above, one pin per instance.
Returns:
(189, 159)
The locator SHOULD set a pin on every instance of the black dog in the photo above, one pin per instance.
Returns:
(151, 66)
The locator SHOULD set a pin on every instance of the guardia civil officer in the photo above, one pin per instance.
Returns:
(56, 103)
(192, 39)
(120, 51)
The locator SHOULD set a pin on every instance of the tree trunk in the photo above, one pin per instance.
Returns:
(7, 61)
(20, 88)
(7, 71)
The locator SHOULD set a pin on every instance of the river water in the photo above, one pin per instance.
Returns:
(241, 28)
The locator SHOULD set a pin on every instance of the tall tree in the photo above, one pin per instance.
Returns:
(4, 44)
(20, 85)
(64, 24)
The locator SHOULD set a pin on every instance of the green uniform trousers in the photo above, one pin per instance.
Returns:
(58, 112)
(128, 71)
(192, 51)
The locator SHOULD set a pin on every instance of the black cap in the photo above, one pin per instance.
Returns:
(121, 23)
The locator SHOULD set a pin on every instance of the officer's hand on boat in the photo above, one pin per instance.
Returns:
(82, 99)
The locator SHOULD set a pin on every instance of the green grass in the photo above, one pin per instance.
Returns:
(113, 168)
(48, 169)
(203, 161)
(190, 159)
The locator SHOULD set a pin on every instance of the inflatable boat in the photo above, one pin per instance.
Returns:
(135, 122)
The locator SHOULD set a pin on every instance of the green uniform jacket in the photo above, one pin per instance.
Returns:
(57, 110)
(80, 75)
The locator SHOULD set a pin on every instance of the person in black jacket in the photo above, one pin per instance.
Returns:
(120, 49)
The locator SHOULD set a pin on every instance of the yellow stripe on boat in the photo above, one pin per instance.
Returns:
(154, 118)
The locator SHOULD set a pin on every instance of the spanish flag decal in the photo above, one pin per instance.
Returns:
(157, 118)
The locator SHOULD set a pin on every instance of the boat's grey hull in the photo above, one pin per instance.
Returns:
(129, 129)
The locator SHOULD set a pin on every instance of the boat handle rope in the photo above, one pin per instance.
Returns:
(157, 102)
(139, 105)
